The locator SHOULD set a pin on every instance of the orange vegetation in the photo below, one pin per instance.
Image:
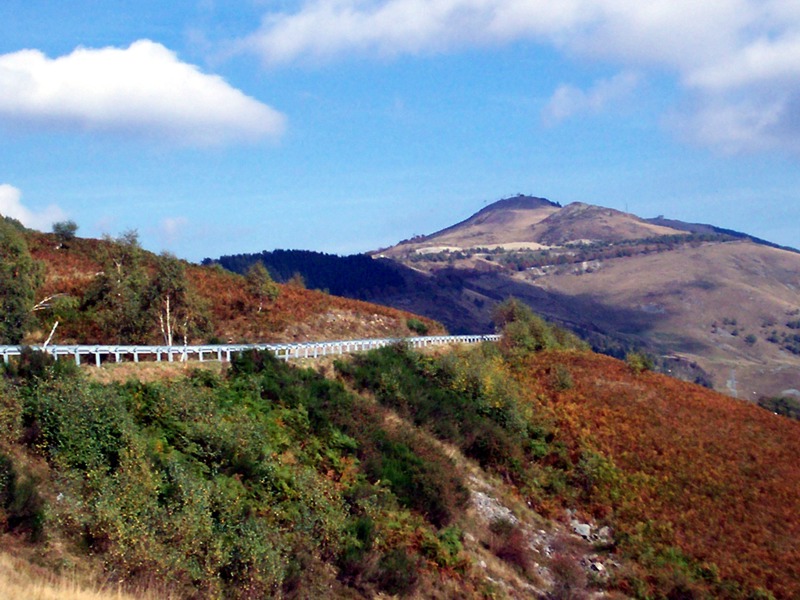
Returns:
(297, 313)
(715, 477)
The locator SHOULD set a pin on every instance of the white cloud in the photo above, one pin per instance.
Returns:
(326, 28)
(142, 90)
(746, 125)
(11, 206)
(736, 61)
(569, 100)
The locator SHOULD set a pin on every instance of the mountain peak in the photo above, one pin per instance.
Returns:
(520, 201)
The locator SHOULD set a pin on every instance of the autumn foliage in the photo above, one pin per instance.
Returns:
(714, 478)
(234, 311)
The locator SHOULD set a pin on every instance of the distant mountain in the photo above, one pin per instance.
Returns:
(714, 305)
(534, 223)
(711, 229)
(496, 224)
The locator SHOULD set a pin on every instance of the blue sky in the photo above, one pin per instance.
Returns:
(346, 125)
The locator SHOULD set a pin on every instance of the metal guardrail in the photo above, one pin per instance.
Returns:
(220, 352)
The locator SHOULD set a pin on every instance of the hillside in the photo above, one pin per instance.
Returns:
(112, 291)
(712, 305)
(528, 468)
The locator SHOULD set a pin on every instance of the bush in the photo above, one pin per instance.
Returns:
(417, 326)
(7, 482)
(76, 424)
(10, 413)
(20, 276)
(468, 399)
(786, 406)
(397, 572)
(420, 478)
(524, 332)
(21, 506)
(569, 579)
(639, 362)
(509, 544)
(562, 378)
(65, 230)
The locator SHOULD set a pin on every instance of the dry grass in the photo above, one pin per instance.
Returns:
(148, 372)
(20, 579)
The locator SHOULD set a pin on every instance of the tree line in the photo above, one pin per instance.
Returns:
(356, 276)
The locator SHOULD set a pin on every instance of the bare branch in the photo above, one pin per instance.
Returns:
(45, 302)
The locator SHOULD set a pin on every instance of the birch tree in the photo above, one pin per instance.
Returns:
(261, 285)
(179, 311)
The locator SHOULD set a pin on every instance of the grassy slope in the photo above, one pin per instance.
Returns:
(297, 314)
(719, 477)
(699, 488)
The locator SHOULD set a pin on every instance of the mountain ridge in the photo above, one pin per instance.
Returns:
(673, 288)
(713, 305)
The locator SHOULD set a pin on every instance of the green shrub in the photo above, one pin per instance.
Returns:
(468, 399)
(639, 362)
(10, 413)
(21, 506)
(782, 405)
(417, 326)
(77, 424)
(419, 476)
(524, 332)
(7, 483)
(33, 365)
(397, 572)
(562, 378)
(445, 548)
